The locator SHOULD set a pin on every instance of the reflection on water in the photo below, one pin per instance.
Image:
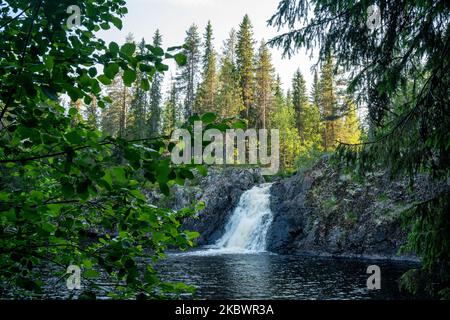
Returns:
(270, 276)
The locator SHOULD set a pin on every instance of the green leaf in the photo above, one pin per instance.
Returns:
(164, 188)
(111, 70)
(175, 48)
(240, 124)
(128, 49)
(209, 117)
(73, 112)
(118, 175)
(181, 59)
(117, 22)
(161, 67)
(67, 190)
(92, 71)
(91, 274)
(191, 235)
(157, 51)
(73, 137)
(145, 85)
(105, 26)
(50, 228)
(129, 76)
(113, 47)
(202, 170)
(104, 79)
(87, 264)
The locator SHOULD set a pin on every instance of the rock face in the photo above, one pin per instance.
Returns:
(220, 190)
(322, 211)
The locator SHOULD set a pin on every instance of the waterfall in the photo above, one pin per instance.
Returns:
(247, 228)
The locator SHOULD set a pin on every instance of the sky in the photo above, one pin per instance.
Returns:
(173, 18)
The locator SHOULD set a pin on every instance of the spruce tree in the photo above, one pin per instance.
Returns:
(155, 93)
(229, 99)
(206, 100)
(188, 80)
(139, 102)
(328, 104)
(300, 101)
(264, 86)
(245, 63)
(315, 90)
(171, 112)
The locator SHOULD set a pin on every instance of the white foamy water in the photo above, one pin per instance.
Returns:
(246, 231)
(249, 223)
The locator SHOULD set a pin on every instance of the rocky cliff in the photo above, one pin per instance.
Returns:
(320, 211)
(323, 211)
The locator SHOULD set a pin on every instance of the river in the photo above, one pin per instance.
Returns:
(237, 266)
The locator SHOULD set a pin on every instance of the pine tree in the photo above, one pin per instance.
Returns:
(264, 86)
(206, 100)
(91, 114)
(116, 116)
(208, 39)
(246, 65)
(229, 100)
(139, 102)
(328, 104)
(315, 90)
(188, 80)
(171, 114)
(300, 101)
(155, 93)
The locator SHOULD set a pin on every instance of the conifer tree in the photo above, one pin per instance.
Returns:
(139, 102)
(171, 110)
(116, 116)
(315, 90)
(283, 119)
(206, 100)
(300, 101)
(91, 113)
(229, 100)
(328, 104)
(188, 80)
(155, 92)
(350, 131)
(245, 63)
(264, 86)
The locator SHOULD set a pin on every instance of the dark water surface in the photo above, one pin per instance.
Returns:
(270, 276)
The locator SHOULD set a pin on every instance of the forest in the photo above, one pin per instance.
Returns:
(241, 82)
(85, 129)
